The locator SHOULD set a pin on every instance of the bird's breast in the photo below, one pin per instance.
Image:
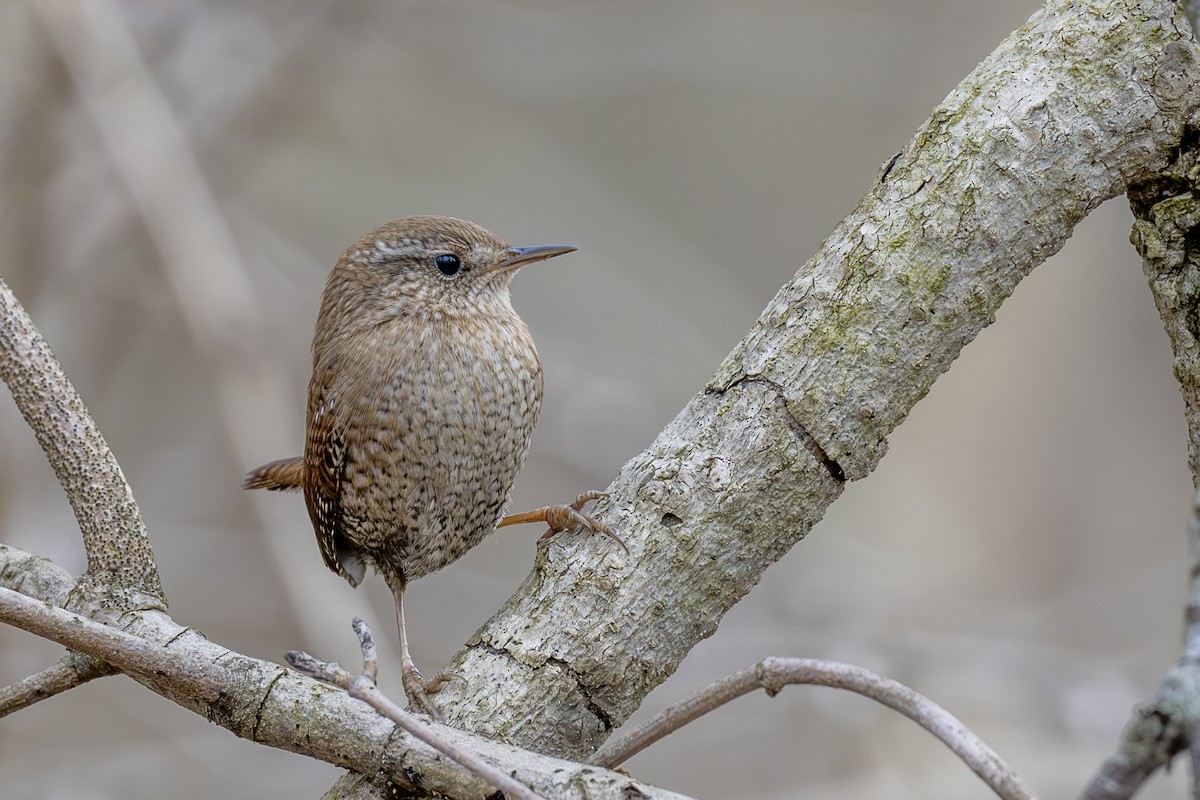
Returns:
(441, 422)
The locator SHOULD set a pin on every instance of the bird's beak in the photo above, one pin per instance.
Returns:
(515, 257)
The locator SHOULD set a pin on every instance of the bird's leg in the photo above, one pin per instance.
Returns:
(417, 688)
(565, 517)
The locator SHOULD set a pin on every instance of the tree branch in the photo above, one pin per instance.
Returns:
(120, 562)
(772, 674)
(73, 669)
(1164, 233)
(35, 576)
(363, 687)
(271, 705)
(1067, 112)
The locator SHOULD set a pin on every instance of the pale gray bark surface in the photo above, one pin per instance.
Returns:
(681, 467)
(1062, 116)
(272, 705)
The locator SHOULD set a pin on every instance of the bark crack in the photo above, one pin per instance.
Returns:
(581, 687)
(605, 719)
(263, 703)
(172, 640)
(802, 434)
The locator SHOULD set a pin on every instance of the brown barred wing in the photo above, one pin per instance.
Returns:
(325, 464)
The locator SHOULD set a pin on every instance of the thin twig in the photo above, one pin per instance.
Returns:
(369, 653)
(1191, 634)
(1194, 752)
(73, 669)
(1159, 730)
(123, 650)
(772, 674)
(1168, 723)
(362, 687)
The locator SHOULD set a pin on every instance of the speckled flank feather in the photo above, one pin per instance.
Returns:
(425, 391)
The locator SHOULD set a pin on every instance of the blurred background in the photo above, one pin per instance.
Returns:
(176, 179)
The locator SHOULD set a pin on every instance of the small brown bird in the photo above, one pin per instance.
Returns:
(425, 391)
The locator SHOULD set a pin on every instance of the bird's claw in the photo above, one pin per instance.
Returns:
(418, 689)
(566, 517)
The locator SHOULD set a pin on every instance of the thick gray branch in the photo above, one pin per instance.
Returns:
(272, 705)
(120, 561)
(35, 576)
(1081, 101)
(1067, 112)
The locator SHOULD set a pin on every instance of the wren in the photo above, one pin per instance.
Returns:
(425, 390)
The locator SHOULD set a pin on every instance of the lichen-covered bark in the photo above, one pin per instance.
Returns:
(1066, 113)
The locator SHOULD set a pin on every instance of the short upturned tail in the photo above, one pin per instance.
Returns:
(286, 474)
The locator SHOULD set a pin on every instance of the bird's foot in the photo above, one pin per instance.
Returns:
(418, 689)
(566, 517)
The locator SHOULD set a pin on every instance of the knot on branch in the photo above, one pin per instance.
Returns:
(1163, 727)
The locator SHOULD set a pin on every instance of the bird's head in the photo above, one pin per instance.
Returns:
(424, 265)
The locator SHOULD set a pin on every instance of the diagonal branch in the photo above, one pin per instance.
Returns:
(35, 576)
(120, 561)
(1085, 98)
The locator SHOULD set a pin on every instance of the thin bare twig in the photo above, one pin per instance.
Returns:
(363, 687)
(1159, 730)
(772, 674)
(1191, 632)
(369, 653)
(1168, 723)
(73, 669)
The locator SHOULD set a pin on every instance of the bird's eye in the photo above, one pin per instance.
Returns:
(447, 264)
